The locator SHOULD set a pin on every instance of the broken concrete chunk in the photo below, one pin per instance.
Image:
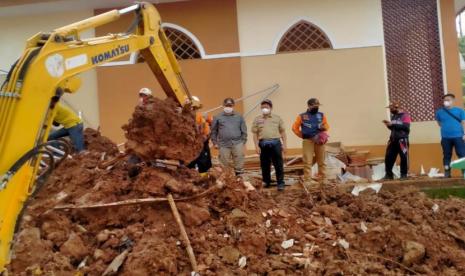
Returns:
(343, 243)
(174, 186)
(435, 208)
(363, 227)
(74, 247)
(237, 213)
(268, 223)
(116, 263)
(242, 262)
(287, 244)
(229, 254)
(248, 186)
(103, 236)
(413, 252)
(193, 215)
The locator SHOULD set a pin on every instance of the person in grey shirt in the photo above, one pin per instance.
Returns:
(229, 134)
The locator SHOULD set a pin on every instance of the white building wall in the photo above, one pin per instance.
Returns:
(16, 30)
(348, 23)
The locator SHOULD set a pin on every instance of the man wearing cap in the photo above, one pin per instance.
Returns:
(312, 126)
(452, 122)
(229, 134)
(398, 143)
(269, 136)
(144, 95)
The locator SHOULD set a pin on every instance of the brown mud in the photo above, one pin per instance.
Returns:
(233, 231)
(159, 131)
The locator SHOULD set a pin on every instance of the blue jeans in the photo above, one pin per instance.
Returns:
(448, 144)
(75, 133)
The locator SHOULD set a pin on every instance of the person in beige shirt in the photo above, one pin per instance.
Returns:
(270, 142)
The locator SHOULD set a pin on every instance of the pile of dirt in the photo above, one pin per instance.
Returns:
(161, 130)
(234, 229)
(94, 141)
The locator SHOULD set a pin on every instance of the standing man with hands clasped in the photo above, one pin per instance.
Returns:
(398, 143)
(312, 127)
(452, 122)
(229, 134)
(269, 137)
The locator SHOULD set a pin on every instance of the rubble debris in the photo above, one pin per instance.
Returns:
(242, 262)
(413, 252)
(232, 231)
(159, 131)
(287, 244)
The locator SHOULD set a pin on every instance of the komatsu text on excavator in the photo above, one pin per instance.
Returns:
(47, 68)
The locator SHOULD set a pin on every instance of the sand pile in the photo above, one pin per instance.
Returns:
(159, 131)
(234, 230)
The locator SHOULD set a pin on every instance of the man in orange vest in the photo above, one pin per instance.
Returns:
(203, 162)
(312, 126)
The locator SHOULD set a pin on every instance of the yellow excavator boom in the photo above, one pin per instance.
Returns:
(41, 75)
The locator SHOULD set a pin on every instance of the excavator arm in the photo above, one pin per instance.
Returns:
(48, 68)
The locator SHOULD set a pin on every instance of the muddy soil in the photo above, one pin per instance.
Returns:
(160, 130)
(233, 231)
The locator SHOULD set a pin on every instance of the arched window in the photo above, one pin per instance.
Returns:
(303, 36)
(183, 46)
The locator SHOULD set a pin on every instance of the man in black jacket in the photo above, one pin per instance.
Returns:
(398, 143)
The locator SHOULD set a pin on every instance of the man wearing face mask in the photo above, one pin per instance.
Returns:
(229, 134)
(309, 126)
(398, 143)
(452, 122)
(268, 131)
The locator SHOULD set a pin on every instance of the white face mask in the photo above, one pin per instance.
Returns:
(228, 109)
(266, 111)
(447, 103)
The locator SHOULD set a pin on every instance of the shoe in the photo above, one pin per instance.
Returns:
(447, 174)
(388, 177)
(266, 185)
(404, 177)
(280, 188)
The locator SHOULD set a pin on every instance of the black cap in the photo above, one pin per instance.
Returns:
(268, 102)
(449, 95)
(313, 101)
(228, 101)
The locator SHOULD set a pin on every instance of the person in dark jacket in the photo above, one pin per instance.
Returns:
(398, 143)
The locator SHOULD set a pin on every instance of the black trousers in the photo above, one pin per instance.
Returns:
(394, 148)
(271, 152)
(204, 161)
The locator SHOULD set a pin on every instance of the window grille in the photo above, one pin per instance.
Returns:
(413, 56)
(303, 36)
(183, 46)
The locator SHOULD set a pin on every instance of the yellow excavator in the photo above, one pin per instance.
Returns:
(49, 67)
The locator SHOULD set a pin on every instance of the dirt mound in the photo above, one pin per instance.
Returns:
(159, 130)
(94, 141)
(233, 230)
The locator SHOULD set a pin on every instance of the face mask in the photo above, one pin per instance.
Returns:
(266, 111)
(394, 111)
(228, 109)
(447, 103)
(313, 110)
